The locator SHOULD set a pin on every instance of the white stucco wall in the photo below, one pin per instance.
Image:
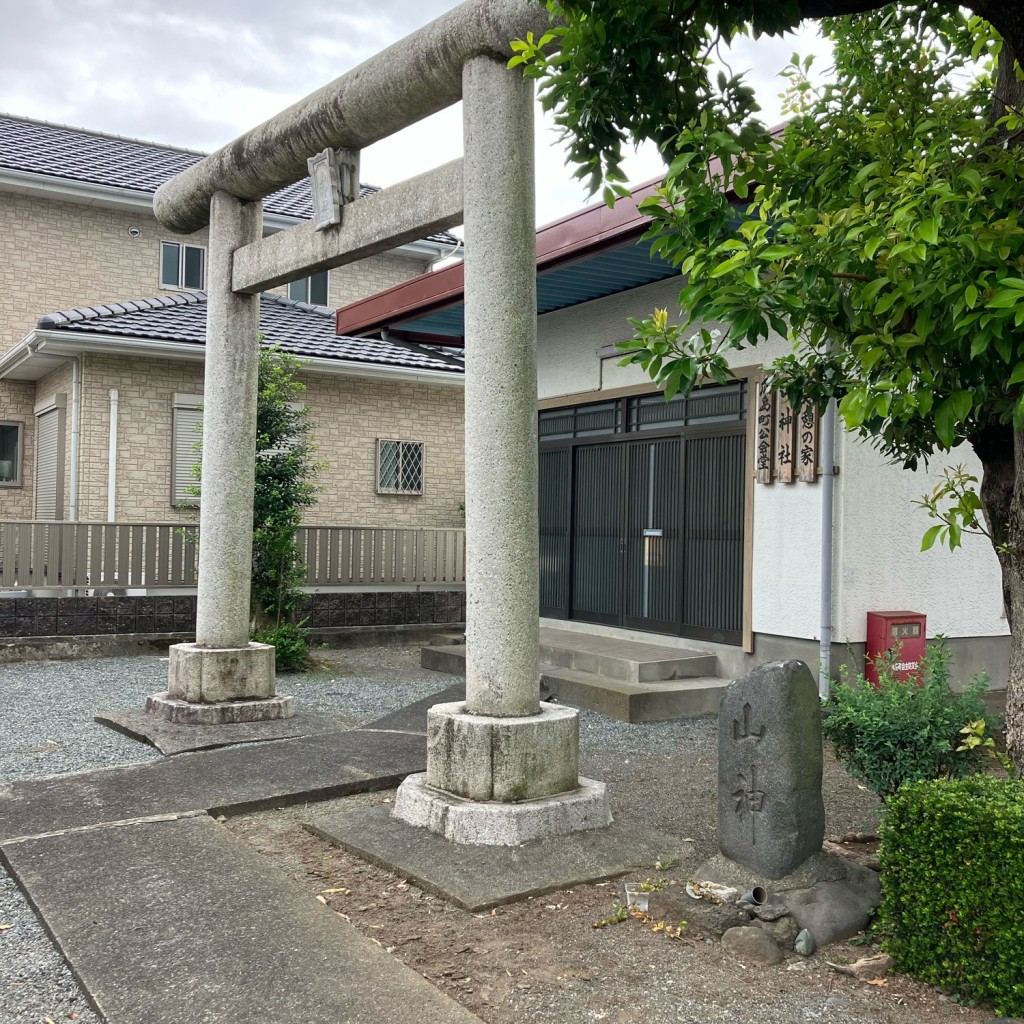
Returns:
(882, 565)
(877, 559)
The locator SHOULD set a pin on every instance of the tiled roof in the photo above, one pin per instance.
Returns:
(58, 151)
(297, 327)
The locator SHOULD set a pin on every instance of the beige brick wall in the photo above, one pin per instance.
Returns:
(57, 255)
(17, 400)
(348, 415)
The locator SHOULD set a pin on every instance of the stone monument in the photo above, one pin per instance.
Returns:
(771, 817)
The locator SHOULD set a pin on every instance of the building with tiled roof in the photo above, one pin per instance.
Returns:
(114, 379)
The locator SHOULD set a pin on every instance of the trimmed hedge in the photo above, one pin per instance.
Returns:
(953, 887)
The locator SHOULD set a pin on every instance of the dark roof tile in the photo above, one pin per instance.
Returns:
(297, 327)
(77, 154)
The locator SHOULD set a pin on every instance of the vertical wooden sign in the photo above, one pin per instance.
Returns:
(807, 449)
(785, 441)
(765, 446)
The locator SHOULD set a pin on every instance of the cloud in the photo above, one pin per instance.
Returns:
(197, 73)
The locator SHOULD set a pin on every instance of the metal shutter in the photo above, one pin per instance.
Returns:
(48, 467)
(184, 455)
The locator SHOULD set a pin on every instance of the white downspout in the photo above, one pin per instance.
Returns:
(112, 459)
(76, 414)
(828, 459)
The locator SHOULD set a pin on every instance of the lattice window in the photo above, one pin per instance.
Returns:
(399, 467)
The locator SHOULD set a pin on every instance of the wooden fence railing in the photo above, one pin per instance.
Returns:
(59, 555)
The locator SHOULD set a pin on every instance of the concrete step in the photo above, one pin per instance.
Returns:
(649, 701)
(692, 697)
(627, 660)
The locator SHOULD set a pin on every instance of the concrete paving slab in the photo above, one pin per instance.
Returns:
(233, 779)
(478, 877)
(413, 717)
(172, 738)
(175, 921)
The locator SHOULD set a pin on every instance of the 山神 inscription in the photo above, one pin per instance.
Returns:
(742, 731)
(749, 799)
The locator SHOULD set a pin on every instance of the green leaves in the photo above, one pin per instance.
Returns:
(953, 884)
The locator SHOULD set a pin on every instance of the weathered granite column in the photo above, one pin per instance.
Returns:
(502, 768)
(222, 676)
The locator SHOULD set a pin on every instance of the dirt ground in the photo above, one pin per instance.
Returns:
(543, 960)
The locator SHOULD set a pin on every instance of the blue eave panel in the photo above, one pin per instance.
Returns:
(607, 272)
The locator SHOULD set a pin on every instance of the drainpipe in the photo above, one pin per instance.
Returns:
(76, 404)
(112, 459)
(828, 457)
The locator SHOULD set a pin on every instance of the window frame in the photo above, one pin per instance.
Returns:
(19, 453)
(308, 282)
(181, 403)
(179, 285)
(402, 444)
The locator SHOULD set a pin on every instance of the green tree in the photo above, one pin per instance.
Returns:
(880, 229)
(286, 467)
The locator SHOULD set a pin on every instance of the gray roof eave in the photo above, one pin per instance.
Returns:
(44, 343)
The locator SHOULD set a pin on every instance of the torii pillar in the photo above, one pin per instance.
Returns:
(502, 768)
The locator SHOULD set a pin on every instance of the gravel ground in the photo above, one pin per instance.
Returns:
(47, 728)
(539, 960)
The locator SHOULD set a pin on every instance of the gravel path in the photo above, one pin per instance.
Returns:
(47, 728)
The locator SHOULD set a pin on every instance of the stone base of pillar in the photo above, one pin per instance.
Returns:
(220, 685)
(502, 781)
(209, 675)
(228, 712)
(479, 823)
(482, 757)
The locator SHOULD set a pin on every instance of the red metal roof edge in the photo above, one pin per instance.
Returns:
(570, 237)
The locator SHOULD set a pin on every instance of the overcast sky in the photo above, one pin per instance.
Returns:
(197, 73)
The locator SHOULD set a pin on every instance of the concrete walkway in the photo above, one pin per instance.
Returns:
(168, 918)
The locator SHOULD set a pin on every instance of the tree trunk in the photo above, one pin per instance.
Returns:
(1015, 614)
(1001, 452)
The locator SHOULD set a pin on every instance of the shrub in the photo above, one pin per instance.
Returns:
(953, 887)
(291, 641)
(901, 732)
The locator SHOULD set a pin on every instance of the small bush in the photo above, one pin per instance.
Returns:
(901, 732)
(953, 887)
(291, 642)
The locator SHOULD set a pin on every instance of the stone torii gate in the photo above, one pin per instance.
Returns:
(502, 768)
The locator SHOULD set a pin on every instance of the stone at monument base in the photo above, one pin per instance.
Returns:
(228, 712)
(489, 823)
(829, 896)
(208, 675)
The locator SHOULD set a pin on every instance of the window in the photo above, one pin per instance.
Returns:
(10, 454)
(399, 467)
(182, 266)
(185, 430)
(49, 443)
(312, 289)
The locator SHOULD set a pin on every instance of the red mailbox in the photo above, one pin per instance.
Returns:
(905, 630)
